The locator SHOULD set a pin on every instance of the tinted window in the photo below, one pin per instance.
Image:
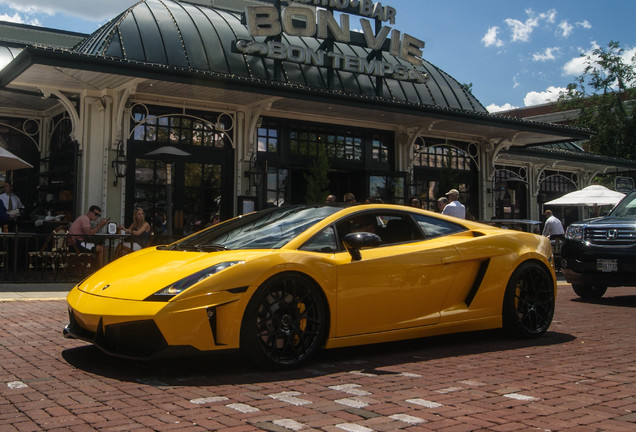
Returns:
(392, 227)
(434, 227)
(625, 208)
(325, 241)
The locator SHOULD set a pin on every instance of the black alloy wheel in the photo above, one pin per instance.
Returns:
(529, 301)
(285, 323)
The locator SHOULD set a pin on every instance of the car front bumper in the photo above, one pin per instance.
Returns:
(147, 330)
(582, 263)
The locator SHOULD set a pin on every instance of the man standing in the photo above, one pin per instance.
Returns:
(553, 228)
(81, 230)
(454, 207)
(11, 202)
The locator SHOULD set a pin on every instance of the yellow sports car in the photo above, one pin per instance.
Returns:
(282, 283)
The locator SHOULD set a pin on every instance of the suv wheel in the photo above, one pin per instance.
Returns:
(589, 291)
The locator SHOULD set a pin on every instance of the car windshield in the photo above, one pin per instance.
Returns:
(626, 208)
(267, 229)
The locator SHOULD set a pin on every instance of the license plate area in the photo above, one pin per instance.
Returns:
(607, 265)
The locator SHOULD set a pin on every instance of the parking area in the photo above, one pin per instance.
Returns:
(580, 377)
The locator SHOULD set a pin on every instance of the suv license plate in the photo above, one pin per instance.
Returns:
(607, 265)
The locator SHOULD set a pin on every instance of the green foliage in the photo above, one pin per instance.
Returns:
(317, 179)
(605, 94)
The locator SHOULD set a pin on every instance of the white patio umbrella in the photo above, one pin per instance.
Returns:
(10, 162)
(595, 195)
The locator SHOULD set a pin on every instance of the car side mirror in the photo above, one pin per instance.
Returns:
(353, 242)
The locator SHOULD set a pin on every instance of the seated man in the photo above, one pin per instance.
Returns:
(81, 230)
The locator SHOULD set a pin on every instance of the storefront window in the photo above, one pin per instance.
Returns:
(268, 140)
(337, 146)
(436, 153)
(150, 187)
(276, 186)
(390, 189)
(202, 194)
(441, 165)
(510, 191)
(199, 161)
(380, 150)
(177, 130)
(554, 184)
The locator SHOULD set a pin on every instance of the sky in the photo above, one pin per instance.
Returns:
(515, 53)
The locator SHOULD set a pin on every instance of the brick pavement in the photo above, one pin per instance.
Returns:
(580, 377)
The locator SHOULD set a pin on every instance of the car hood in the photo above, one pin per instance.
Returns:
(141, 274)
(609, 220)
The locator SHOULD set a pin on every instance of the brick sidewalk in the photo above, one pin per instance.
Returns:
(580, 377)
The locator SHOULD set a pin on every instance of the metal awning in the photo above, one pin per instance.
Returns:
(38, 69)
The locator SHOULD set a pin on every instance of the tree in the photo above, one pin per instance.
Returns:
(317, 179)
(605, 95)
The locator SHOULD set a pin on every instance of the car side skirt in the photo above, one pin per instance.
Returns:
(417, 332)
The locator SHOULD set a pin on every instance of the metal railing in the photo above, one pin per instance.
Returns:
(54, 257)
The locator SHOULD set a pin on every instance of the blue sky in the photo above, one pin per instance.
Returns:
(515, 52)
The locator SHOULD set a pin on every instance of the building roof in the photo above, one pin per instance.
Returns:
(191, 37)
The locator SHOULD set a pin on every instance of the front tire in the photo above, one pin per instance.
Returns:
(285, 322)
(529, 301)
(589, 292)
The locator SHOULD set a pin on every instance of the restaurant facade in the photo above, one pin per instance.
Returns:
(190, 108)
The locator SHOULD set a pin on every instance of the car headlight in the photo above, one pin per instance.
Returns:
(181, 285)
(574, 232)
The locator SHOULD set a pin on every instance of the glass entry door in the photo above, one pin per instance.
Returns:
(193, 191)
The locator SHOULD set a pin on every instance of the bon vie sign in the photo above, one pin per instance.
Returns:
(297, 19)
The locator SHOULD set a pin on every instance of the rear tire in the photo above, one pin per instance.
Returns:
(529, 300)
(589, 292)
(285, 323)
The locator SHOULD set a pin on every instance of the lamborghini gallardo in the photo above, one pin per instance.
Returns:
(283, 283)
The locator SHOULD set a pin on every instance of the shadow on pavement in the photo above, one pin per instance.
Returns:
(229, 368)
(622, 301)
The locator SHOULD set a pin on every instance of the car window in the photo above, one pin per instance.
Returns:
(625, 208)
(325, 241)
(436, 227)
(392, 227)
(268, 229)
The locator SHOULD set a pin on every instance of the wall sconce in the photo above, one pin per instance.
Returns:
(119, 164)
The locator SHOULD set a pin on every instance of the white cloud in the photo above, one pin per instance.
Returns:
(628, 55)
(92, 10)
(548, 54)
(493, 108)
(565, 28)
(577, 65)
(537, 98)
(521, 31)
(15, 18)
(491, 39)
(19, 19)
(585, 24)
(549, 16)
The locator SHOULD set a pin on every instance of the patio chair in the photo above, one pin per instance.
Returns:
(51, 254)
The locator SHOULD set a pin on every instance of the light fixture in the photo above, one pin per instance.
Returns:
(119, 164)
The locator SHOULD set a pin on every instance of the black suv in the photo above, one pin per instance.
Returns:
(599, 253)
